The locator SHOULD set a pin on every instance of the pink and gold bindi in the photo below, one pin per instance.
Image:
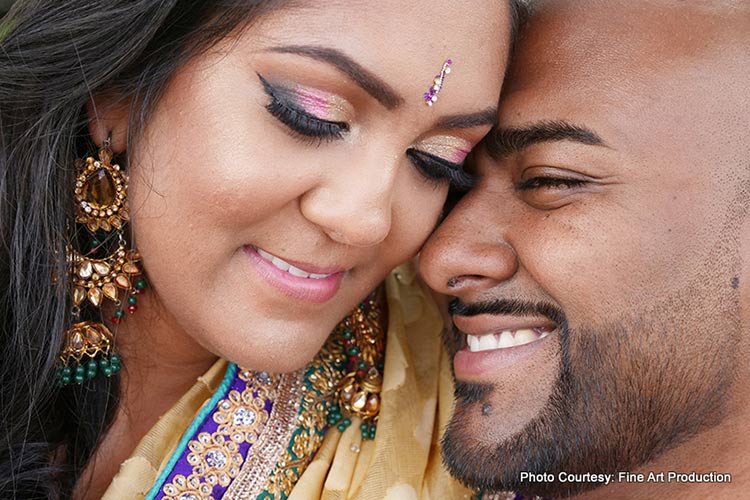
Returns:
(431, 96)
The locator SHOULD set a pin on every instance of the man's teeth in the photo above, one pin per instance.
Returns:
(285, 266)
(505, 339)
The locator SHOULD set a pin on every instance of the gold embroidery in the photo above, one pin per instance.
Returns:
(215, 457)
(322, 379)
(266, 452)
(188, 489)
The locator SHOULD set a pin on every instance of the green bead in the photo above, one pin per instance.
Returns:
(79, 379)
(115, 359)
(341, 427)
(332, 420)
(107, 370)
(80, 370)
(103, 363)
(65, 380)
(364, 427)
(119, 313)
(352, 351)
(116, 369)
(66, 371)
(347, 422)
(335, 409)
(347, 334)
(361, 365)
(381, 366)
(140, 284)
(95, 243)
(132, 300)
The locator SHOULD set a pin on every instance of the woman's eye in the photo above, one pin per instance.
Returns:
(441, 171)
(300, 121)
(552, 183)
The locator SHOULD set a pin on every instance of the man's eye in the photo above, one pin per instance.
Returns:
(549, 182)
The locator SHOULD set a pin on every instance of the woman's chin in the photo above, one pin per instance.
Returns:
(281, 352)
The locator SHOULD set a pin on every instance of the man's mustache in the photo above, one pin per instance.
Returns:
(508, 307)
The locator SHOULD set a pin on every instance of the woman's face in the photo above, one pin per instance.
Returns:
(287, 171)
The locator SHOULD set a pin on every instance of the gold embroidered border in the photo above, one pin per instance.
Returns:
(263, 456)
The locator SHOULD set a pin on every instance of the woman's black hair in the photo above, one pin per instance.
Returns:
(55, 56)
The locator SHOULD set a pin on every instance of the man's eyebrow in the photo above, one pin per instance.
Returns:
(504, 141)
(485, 117)
(367, 80)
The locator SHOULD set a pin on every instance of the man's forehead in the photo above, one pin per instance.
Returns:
(603, 40)
(609, 64)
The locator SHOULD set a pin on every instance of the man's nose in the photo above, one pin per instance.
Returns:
(469, 252)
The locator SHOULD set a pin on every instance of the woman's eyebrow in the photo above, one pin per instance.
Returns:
(487, 116)
(367, 80)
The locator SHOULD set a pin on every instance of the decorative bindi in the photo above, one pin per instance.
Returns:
(431, 96)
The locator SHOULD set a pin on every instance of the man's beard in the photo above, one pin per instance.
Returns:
(626, 393)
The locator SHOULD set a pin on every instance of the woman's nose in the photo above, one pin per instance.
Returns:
(354, 207)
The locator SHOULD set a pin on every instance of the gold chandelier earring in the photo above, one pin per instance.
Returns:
(101, 217)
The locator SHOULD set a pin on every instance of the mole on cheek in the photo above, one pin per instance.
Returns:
(735, 282)
(486, 409)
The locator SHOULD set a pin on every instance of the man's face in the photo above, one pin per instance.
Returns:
(597, 268)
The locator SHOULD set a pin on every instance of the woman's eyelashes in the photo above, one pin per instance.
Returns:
(441, 170)
(288, 106)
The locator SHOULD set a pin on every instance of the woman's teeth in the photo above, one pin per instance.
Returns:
(285, 266)
(505, 339)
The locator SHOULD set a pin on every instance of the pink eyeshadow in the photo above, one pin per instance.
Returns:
(317, 105)
(458, 156)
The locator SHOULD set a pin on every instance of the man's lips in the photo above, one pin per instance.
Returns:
(489, 344)
(486, 332)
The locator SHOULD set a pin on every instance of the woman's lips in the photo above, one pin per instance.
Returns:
(300, 281)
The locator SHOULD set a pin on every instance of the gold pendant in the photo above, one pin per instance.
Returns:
(358, 392)
(100, 194)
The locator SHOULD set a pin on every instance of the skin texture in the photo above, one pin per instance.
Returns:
(643, 265)
(215, 171)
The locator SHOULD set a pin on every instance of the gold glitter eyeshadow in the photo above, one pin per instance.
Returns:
(451, 148)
